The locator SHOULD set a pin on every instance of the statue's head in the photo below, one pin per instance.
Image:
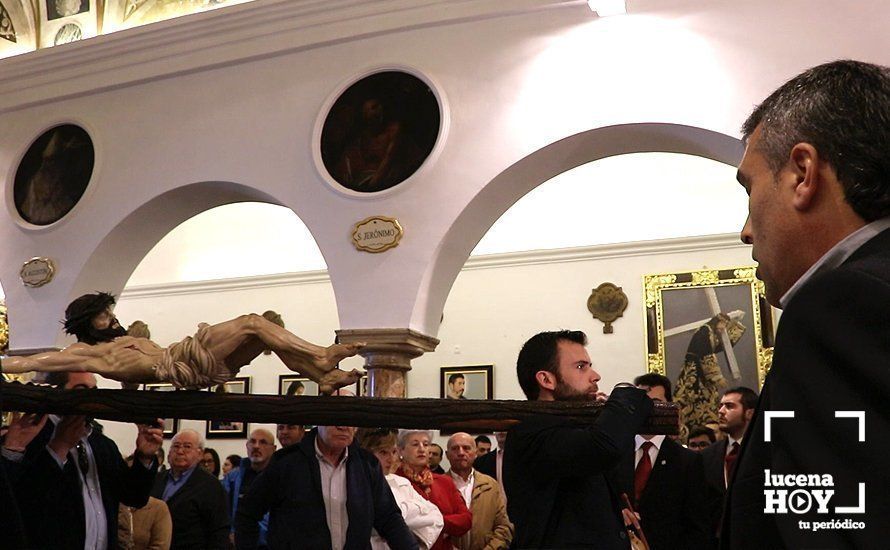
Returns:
(91, 320)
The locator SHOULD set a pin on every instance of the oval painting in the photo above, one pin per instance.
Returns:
(379, 131)
(53, 174)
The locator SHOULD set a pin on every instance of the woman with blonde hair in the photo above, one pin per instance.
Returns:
(436, 488)
(422, 516)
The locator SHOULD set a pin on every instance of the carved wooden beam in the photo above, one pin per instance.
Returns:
(449, 414)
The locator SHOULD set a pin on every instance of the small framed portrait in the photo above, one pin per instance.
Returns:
(228, 429)
(707, 331)
(171, 425)
(294, 385)
(53, 174)
(379, 131)
(471, 382)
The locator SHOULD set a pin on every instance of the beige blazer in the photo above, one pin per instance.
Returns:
(491, 529)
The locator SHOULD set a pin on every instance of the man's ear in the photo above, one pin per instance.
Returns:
(804, 165)
(546, 380)
(749, 414)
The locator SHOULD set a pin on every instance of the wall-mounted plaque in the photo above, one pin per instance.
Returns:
(376, 234)
(37, 272)
(379, 131)
(607, 303)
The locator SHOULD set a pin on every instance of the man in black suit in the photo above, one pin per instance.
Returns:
(196, 499)
(69, 478)
(665, 482)
(817, 172)
(737, 407)
(554, 470)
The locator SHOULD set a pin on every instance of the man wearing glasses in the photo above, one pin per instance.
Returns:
(260, 446)
(196, 499)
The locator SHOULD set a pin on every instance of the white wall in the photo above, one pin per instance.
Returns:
(226, 106)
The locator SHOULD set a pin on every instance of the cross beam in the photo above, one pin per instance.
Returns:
(450, 414)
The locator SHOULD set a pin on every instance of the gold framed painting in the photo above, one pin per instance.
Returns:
(707, 331)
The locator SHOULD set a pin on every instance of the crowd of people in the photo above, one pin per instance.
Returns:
(817, 172)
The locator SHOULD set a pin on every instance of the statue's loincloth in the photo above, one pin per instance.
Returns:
(188, 364)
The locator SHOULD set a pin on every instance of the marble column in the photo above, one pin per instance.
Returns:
(388, 354)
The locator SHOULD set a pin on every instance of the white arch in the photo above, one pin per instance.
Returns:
(536, 168)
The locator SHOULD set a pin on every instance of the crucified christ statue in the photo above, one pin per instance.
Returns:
(212, 356)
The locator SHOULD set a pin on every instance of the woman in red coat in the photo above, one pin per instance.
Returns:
(438, 489)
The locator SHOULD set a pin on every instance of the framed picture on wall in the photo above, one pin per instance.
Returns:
(707, 331)
(470, 382)
(294, 385)
(227, 429)
(171, 425)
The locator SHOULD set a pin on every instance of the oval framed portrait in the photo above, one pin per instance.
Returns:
(53, 174)
(380, 131)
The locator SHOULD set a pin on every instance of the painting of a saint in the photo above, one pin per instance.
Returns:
(380, 131)
(53, 174)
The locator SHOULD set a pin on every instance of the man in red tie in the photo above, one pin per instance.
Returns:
(667, 488)
(735, 413)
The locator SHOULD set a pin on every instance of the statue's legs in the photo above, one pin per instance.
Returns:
(239, 341)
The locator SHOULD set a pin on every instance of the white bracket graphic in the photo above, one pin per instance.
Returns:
(859, 415)
(854, 509)
(767, 421)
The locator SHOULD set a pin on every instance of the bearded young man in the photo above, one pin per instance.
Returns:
(554, 470)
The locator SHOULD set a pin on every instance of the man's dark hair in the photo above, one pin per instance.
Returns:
(652, 380)
(748, 397)
(57, 379)
(80, 313)
(292, 389)
(539, 353)
(702, 430)
(453, 377)
(842, 109)
(483, 439)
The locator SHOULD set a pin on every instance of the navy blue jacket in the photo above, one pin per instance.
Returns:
(290, 490)
(232, 484)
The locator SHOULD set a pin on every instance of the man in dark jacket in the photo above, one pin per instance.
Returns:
(69, 478)
(817, 173)
(554, 470)
(196, 499)
(324, 492)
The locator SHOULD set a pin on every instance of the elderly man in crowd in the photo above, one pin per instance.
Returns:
(324, 492)
(491, 529)
(260, 446)
(196, 499)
